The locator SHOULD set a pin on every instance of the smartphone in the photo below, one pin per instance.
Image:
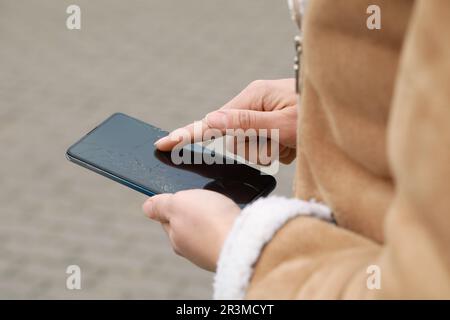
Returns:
(122, 148)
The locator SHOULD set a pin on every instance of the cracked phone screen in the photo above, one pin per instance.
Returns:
(123, 147)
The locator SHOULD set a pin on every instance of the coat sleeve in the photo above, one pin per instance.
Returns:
(256, 225)
(311, 259)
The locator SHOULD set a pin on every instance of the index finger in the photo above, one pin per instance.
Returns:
(189, 134)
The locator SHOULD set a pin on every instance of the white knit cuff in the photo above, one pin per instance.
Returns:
(255, 226)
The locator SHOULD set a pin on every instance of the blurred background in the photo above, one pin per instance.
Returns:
(166, 62)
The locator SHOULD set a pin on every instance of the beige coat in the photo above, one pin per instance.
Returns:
(374, 145)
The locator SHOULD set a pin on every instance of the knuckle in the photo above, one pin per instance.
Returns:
(259, 89)
(245, 119)
(163, 206)
(258, 84)
(261, 86)
(176, 249)
(158, 204)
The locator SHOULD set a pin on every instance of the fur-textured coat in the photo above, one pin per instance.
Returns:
(374, 147)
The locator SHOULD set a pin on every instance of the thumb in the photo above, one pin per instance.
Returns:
(157, 207)
(242, 119)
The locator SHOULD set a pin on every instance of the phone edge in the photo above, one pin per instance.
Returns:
(134, 186)
(109, 175)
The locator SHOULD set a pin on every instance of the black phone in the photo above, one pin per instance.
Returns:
(122, 149)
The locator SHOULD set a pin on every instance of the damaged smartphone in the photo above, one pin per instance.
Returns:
(122, 148)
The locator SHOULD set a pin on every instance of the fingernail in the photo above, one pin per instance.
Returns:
(160, 140)
(217, 119)
(147, 208)
(172, 137)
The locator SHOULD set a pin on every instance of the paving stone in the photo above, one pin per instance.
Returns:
(166, 62)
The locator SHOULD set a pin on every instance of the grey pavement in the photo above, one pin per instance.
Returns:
(166, 62)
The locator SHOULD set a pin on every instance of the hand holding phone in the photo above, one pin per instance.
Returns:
(197, 223)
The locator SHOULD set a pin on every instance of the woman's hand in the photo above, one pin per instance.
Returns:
(196, 221)
(264, 104)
